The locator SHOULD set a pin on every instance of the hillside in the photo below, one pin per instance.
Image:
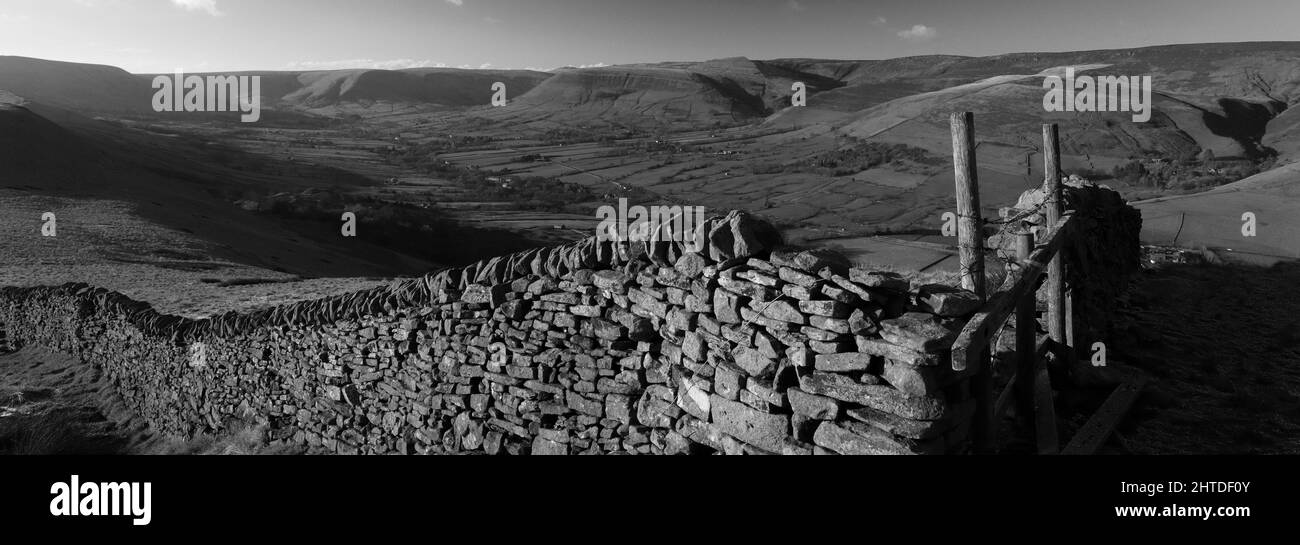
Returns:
(680, 95)
(84, 87)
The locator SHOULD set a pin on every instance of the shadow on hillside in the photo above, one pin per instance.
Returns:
(1222, 343)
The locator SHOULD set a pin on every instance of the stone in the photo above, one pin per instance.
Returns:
(766, 345)
(784, 311)
(745, 288)
(830, 347)
(646, 300)
(693, 399)
(893, 352)
(822, 335)
(813, 406)
(897, 425)
(829, 309)
(583, 405)
(613, 281)
(691, 265)
(881, 280)
(843, 363)
(810, 261)
(918, 331)
(545, 447)
(618, 407)
(754, 363)
(834, 325)
(728, 380)
(726, 306)
(913, 381)
(693, 346)
(606, 329)
(798, 278)
(840, 439)
(657, 407)
(884, 398)
(860, 323)
(948, 301)
(795, 291)
(759, 278)
(763, 430)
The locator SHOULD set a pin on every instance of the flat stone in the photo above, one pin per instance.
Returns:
(830, 347)
(840, 439)
(897, 425)
(880, 397)
(890, 351)
(546, 447)
(763, 430)
(918, 331)
(796, 291)
(843, 363)
(948, 301)
(835, 325)
(829, 309)
(810, 261)
(880, 280)
(759, 278)
(614, 281)
(783, 311)
(813, 406)
(799, 278)
(822, 335)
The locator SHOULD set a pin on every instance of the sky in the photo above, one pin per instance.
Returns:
(155, 36)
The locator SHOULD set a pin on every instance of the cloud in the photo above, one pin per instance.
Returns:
(209, 6)
(456, 3)
(392, 64)
(880, 21)
(796, 5)
(918, 33)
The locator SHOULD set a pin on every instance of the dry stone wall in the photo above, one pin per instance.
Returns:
(588, 348)
(1103, 254)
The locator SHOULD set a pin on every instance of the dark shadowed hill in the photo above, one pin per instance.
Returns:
(85, 87)
(177, 183)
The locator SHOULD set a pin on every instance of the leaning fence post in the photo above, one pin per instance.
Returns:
(970, 248)
(1026, 336)
(1056, 269)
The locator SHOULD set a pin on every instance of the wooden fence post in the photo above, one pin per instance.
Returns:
(970, 247)
(1056, 270)
(970, 226)
(1026, 338)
